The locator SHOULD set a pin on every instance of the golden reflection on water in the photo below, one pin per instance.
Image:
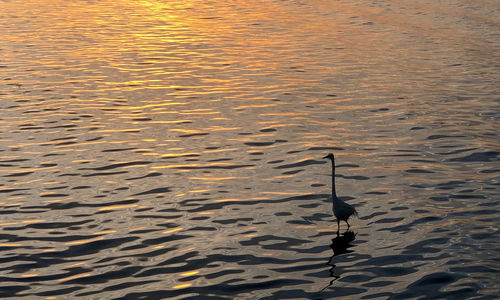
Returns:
(105, 232)
(201, 125)
(80, 242)
(75, 277)
(181, 286)
(10, 245)
(173, 230)
(190, 273)
(115, 207)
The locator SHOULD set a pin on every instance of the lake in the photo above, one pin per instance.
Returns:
(174, 149)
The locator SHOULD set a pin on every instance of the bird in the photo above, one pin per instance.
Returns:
(341, 210)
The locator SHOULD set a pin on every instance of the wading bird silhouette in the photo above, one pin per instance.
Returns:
(341, 210)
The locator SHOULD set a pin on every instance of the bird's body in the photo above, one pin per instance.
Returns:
(341, 210)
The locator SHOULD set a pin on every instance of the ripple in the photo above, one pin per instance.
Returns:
(118, 165)
(259, 144)
(479, 156)
(154, 191)
(300, 164)
(431, 286)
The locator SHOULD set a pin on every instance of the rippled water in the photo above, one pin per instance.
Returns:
(172, 149)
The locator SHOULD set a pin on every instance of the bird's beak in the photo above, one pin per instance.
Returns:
(325, 157)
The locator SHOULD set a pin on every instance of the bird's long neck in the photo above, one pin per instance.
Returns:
(334, 194)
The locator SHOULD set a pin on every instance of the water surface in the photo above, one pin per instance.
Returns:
(172, 149)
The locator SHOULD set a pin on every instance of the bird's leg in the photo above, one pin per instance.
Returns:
(338, 226)
(347, 225)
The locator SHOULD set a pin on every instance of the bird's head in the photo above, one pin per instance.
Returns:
(330, 156)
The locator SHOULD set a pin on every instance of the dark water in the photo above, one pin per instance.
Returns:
(172, 149)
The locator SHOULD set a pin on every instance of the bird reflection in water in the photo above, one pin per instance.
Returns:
(340, 245)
